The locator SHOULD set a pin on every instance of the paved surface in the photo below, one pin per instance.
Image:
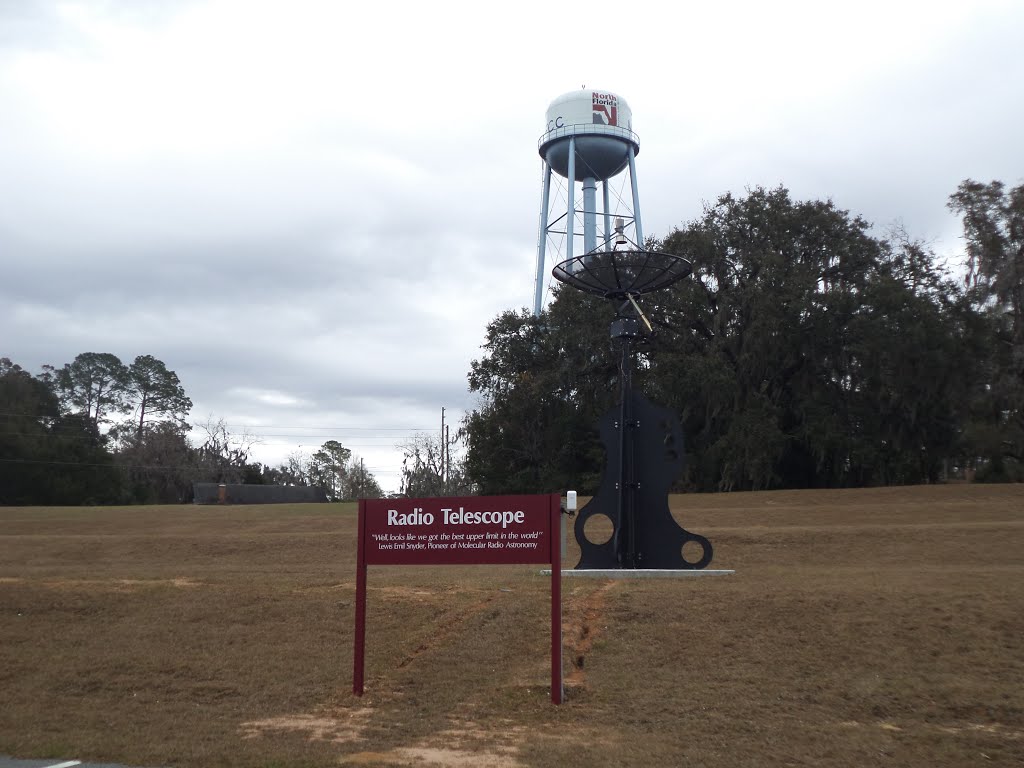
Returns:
(10, 762)
(636, 573)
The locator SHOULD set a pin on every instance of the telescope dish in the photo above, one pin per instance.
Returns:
(622, 274)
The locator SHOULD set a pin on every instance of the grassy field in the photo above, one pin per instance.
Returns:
(868, 627)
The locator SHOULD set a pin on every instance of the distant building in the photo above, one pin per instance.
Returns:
(241, 493)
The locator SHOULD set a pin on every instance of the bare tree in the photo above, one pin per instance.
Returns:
(223, 455)
(429, 469)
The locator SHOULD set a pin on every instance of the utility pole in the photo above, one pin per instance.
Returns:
(442, 446)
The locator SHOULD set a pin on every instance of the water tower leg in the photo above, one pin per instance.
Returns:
(636, 198)
(542, 241)
(570, 219)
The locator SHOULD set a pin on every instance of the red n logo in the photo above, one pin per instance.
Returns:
(605, 114)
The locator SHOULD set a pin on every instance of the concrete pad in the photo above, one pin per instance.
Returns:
(639, 573)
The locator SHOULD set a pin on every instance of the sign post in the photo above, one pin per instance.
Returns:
(472, 530)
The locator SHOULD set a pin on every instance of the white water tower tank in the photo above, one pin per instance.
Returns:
(601, 124)
(588, 140)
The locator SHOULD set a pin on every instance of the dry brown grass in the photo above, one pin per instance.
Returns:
(871, 627)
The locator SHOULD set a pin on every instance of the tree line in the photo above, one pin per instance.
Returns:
(99, 431)
(804, 351)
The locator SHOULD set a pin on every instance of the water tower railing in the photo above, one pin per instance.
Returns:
(582, 129)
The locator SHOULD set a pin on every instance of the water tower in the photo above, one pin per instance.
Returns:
(589, 139)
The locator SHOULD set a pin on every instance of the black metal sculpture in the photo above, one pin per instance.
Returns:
(643, 442)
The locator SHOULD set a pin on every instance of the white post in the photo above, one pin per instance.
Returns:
(570, 506)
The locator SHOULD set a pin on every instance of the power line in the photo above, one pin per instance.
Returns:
(200, 424)
(66, 436)
(306, 426)
(58, 431)
(162, 467)
(230, 423)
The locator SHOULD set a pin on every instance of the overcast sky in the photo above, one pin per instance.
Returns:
(311, 210)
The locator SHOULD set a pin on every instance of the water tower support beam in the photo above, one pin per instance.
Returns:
(542, 241)
(636, 198)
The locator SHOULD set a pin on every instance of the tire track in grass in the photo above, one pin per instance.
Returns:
(581, 626)
(445, 630)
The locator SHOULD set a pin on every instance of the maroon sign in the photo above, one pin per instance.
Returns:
(475, 530)
(472, 530)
